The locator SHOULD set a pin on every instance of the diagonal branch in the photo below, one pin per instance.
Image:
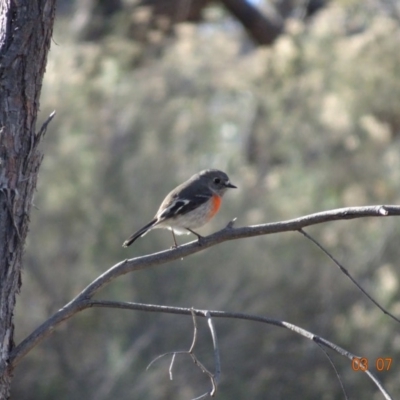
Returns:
(82, 302)
(336, 371)
(346, 272)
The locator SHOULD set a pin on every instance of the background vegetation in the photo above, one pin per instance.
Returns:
(307, 124)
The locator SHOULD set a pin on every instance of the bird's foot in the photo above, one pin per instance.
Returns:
(201, 240)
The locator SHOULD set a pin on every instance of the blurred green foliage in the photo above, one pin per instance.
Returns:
(309, 124)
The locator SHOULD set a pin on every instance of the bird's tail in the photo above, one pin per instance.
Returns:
(139, 233)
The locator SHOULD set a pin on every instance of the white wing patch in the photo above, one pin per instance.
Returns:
(179, 204)
(174, 208)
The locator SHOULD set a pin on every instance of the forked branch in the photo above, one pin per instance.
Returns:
(214, 378)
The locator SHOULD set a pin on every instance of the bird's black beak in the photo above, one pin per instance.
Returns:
(229, 185)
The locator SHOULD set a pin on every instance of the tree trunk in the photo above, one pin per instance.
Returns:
(25, 32)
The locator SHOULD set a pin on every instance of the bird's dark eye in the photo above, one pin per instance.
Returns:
(217, 181)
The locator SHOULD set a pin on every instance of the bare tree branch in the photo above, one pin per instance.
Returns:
(320, 341)
(346, 272)
(336, 371)
(43, 129)
(214, 378)
(170, 367)
(217, 360)
(82, 301)
(194, 332)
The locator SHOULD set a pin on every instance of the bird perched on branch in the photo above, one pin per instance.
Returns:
(189, 206)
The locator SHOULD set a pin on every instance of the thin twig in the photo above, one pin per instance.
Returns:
(217, 359)
(203, 396)
(378, 384)
(197, 361)
(35, 139)
(194, 331)
(335, 369)
(169, 353)
(43, 129)
(171, 366)
(194, 358)
(346, 272)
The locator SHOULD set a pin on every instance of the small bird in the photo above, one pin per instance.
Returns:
(189, 206)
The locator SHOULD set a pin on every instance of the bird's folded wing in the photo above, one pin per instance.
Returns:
(183, 206)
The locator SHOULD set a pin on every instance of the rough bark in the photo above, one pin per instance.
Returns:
(25, 34)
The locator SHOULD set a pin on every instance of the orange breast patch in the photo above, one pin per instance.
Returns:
(216, 204)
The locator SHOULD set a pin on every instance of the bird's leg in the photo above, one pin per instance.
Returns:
(175, 244)
(199, 237)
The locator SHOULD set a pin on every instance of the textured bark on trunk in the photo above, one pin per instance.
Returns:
(25, 33)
